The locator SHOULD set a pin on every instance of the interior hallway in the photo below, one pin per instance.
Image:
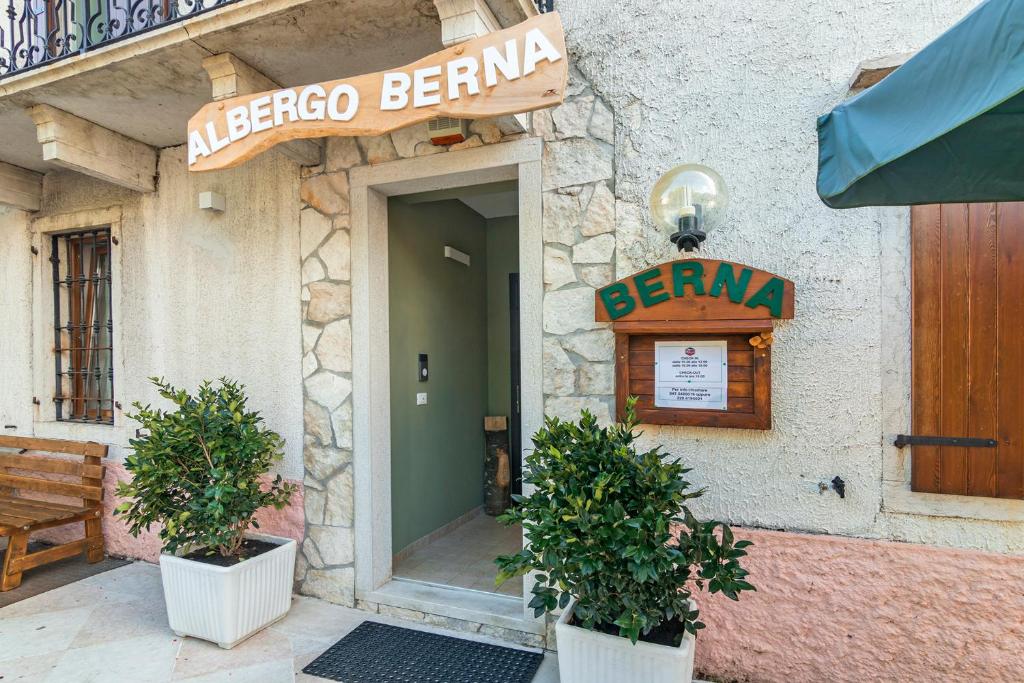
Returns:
(465, 556)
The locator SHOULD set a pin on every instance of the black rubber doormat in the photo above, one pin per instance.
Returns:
(380, 653)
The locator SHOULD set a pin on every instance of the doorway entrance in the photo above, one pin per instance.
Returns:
(372, 190)
(453, 261)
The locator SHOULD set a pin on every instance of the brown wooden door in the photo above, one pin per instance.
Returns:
(968, 347)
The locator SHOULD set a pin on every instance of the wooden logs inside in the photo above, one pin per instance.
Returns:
(497, 482)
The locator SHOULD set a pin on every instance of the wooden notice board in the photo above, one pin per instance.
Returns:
(693, 342)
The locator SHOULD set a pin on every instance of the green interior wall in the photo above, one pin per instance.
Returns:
(502, 259)
(437, 307)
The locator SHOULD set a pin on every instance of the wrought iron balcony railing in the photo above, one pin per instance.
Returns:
(38, 32)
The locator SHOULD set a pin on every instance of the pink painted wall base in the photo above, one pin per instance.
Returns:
(829, 608)
(289, 522)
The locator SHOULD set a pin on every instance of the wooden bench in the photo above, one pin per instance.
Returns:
(40, 490)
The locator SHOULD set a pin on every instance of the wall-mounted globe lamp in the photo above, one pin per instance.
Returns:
(688, 201)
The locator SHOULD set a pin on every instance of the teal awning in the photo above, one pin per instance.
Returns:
(947, 126)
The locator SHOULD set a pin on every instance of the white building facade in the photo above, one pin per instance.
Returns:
(285, 290)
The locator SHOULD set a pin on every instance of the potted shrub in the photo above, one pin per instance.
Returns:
(200, 473)
(616, 548)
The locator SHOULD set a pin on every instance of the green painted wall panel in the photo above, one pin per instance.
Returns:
(438, 307)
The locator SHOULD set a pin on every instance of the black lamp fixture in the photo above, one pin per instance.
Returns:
(688, 201)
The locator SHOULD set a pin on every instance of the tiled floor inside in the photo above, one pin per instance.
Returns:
(112, 628)
(465, 557)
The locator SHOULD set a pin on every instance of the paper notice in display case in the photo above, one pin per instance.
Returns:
(691, 374)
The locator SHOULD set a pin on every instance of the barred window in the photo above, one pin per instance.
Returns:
(83, 329)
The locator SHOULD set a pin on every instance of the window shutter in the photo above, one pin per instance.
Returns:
(968, 347)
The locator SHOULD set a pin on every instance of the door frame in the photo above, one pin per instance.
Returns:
(516, 384)
(370, 187)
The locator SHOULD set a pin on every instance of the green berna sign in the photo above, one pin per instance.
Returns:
(696, 289)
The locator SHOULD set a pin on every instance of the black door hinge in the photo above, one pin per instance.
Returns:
(962, 441)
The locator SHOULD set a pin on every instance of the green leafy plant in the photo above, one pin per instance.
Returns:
(199, 470)
(610, 527)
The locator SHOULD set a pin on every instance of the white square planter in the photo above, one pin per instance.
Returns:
(226, 605)
(594, 657)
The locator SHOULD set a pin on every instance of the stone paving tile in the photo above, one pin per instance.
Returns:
(41, 634)
(310, 618)
(27, 669)
(136, 617)
(141, 660)
(61, 599)
(112, 628)
(279, 671)
(198, 657)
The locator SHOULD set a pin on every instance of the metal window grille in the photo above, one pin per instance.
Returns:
(83, 328)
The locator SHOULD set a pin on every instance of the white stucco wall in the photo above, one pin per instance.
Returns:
(738, 86)
(203, 294)
(15, 319)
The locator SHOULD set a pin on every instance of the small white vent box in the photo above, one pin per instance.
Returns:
(447, 131)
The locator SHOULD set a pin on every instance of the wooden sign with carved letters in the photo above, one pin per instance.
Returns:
(516, 70)
(693, 342)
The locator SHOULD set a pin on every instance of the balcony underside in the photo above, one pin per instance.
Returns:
(147, 87)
